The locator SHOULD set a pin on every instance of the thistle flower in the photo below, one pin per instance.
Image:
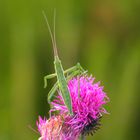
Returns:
(55, 129)
(88, 99)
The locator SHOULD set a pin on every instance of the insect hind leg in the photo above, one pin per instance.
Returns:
(52, 92)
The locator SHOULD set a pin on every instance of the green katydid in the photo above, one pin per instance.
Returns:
(60, 73)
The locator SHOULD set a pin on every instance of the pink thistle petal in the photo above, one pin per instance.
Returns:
(55, 129)
(87, 106)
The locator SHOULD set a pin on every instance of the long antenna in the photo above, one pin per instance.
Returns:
(52, 36)
(54, 28)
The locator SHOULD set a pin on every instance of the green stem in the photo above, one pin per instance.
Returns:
(83, 137)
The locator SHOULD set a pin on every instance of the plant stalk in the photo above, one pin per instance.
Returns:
(83, 137)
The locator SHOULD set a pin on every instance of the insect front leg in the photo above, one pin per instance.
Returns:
(48, 77)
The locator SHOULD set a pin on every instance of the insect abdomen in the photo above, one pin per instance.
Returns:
(63, 84)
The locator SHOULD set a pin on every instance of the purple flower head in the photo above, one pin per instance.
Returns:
(55, 129)
(88, 99)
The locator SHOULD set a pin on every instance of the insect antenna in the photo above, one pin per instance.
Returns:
(54, 30)
(52, 36)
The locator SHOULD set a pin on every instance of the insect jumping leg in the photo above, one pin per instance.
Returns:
(52, 92)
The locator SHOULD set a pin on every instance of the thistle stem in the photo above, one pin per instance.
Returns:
(83, 137)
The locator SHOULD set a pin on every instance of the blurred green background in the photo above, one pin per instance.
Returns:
(103, 35)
